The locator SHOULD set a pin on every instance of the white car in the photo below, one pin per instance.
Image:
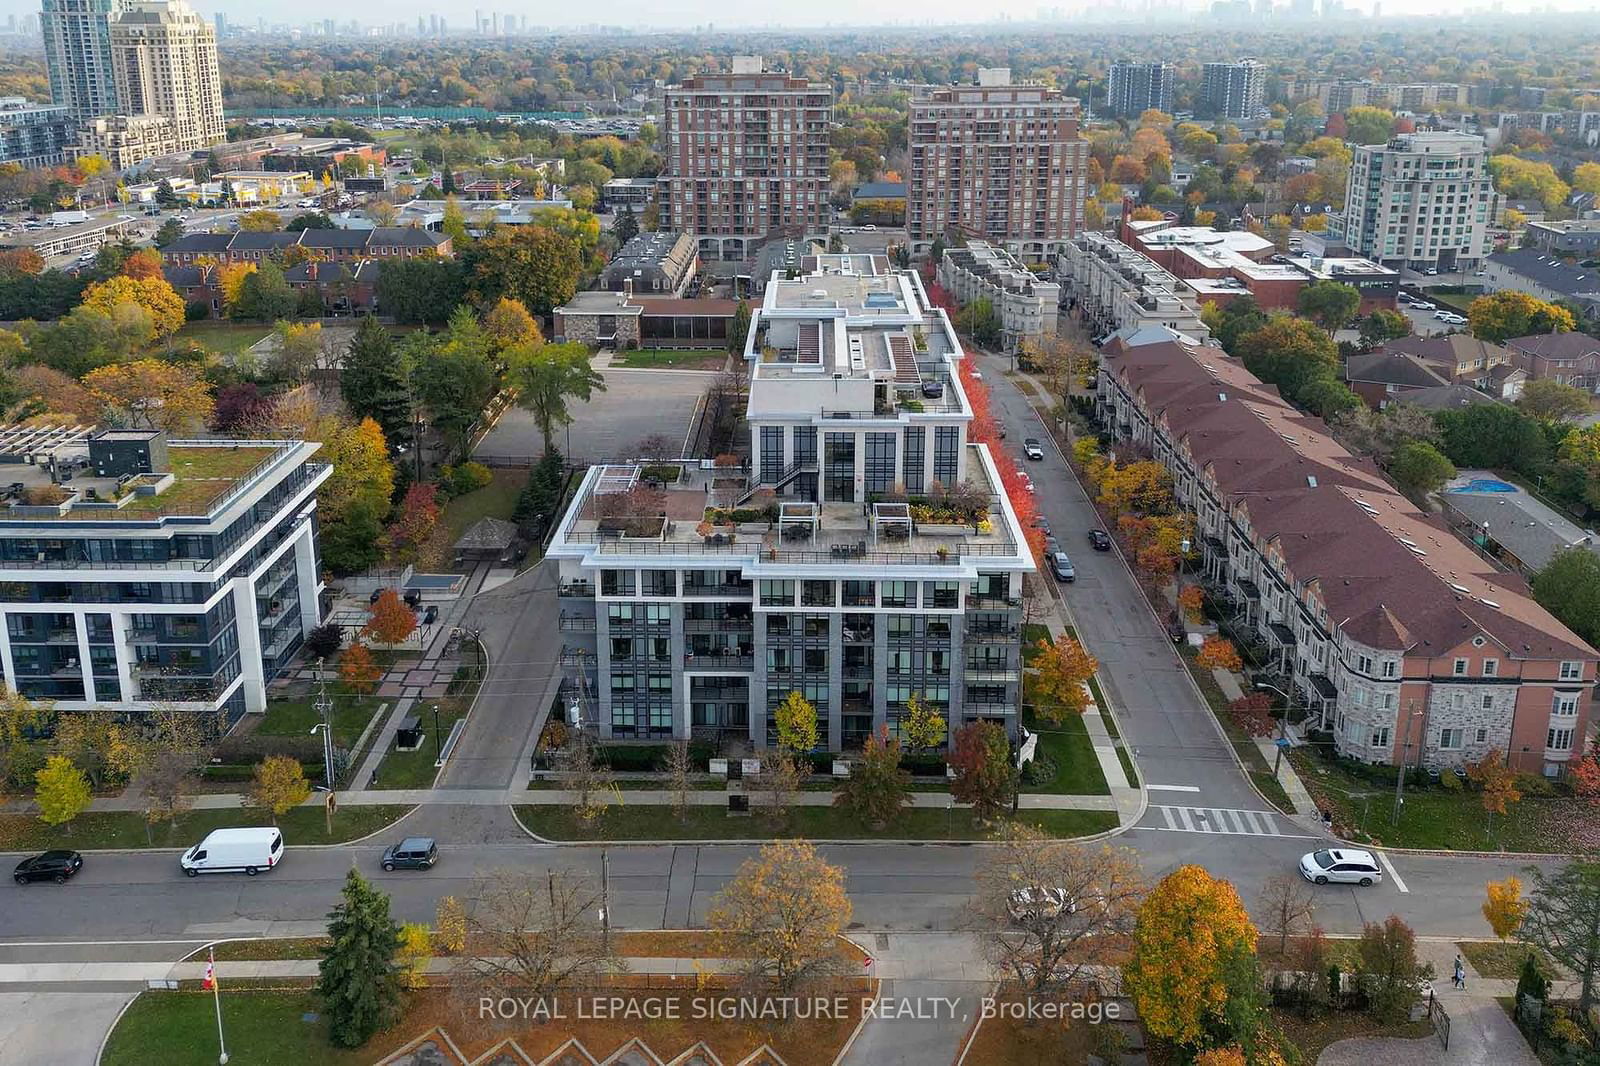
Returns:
(1027, 482)
(1345, 866)
(1423, 305)
(1032, 449)
(1038, 902)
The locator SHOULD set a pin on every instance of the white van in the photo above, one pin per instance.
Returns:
(230, 850)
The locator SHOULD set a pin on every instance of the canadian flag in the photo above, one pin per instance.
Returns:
(210, 981)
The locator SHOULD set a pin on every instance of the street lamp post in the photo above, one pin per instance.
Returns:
(438, 744)
(1183, 554)
(1400, 776)
(1283, 723)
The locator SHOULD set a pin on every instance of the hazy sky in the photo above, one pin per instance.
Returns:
(684, 14)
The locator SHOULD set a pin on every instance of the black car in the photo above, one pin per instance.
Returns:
(412, 853)
(431, 615)
(1099, 541)
(54, 866)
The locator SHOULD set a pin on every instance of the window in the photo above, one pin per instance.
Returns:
(1449, 738)
(901, 625)
(621, 683)
(805, 445)
(1565, 704)
(840, 469)
(946, 458)
(1487, 703)
(915, 437)
(1558, 739)
(777, 593)
(1572, 671)
(616, 582)
(880, 466)
(1482, 735)
(1460, 669)
(1364, 664)
(1491, 667)
(816, 594)
(620, 612)
(660, 582)
(1380, 737)
(622, 647)
(771, 454)
(1391, 668)
(899, 594)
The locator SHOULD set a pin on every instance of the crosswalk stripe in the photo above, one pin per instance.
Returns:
(1166, 815)
(1225, 820)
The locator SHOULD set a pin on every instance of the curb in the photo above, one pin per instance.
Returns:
(105, 1040)
(179, 851)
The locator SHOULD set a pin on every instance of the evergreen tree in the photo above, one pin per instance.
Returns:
(171, 230)
(447, 183)
(265, 296)
(373, 381)
(626, 227)
(360, 984)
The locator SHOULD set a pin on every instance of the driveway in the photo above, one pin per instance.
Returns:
(64, 1027)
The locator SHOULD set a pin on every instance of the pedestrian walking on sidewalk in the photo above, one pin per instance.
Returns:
(1459, 977)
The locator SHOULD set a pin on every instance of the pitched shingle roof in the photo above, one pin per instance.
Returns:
(1398, 368)
(1551, 272)
(1388, 574)
(1556, 345)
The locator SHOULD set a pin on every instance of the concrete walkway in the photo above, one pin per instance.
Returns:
(1126, 795)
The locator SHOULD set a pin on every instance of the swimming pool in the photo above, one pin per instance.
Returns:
(1486, 484)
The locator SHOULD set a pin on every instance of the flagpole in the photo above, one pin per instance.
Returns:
(216, 995)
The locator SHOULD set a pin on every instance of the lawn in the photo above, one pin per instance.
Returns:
(263, 1028)
(227, 338)
(1067, 745)
(294, 718)
(1256, 765)
(1032, 634)
(495, 500)
(1458, 301)
(1006, 1041)
(415, 769)
(1503, 959)
(127, 829)
(623, 822)
(683, 359)
(1434, 817)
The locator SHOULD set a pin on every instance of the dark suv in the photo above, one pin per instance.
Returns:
(412, 853)
(54, 866)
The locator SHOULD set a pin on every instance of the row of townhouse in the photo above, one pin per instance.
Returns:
(346, 287)
(1115, 288)
(337, 245)
(1025, 304)
(1402, 641)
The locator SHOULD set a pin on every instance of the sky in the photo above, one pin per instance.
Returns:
(690, 14)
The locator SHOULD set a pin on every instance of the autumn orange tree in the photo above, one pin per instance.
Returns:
(358, 670)
(390, 621)
(152, 394)
(1192, 601)
(414, 523)
(1058, 687)
(1585, 773)
(1498, 782)
(1192, 966)
(1252, 712)
(982, 762)
(1218, 653)
(783, 912)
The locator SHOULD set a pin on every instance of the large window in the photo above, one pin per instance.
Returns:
(946, 450)
(899, 594)
(840, 472)
(777, 593)
(771, 453)
(916, 436)
(880, 463)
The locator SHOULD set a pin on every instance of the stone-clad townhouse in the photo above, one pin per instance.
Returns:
(1404, 642)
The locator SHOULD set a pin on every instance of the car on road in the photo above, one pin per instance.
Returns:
(1423, 305)
(1063, 567)
(55, 866)
(1033, 449)
(250, 849)
(1175, 628)
(1038, 901)
(1346, 866)
(1099, 541)
(412, 853)
(431, 614)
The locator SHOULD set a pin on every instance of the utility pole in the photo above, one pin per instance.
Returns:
(324, 707)
(1400, 777)
(605, 899)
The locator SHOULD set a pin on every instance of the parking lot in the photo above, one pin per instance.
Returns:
(1425, 323)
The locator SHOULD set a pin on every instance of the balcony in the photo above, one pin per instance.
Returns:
(576, 623)
(691, 661)
(741, 589)
(992, 601)
(583, 589)
(989, 634)
(989, 673)
(719, 625)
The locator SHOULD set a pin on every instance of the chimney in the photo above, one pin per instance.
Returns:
(627, 288)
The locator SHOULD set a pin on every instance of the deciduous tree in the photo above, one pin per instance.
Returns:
(1191, 934)
(984, 775)
(795, 721)
(508, 324)
(143, 265)
(1218, 653)
(534, 931)
(1387, 967)
(151, 294)
(1563, 920)
(1059, 683)
(535, 264)
(1553, 401)
(1420, 468)
(390, 620)
(877, 790)
(922, 724)
(1287, 909)
(358, 670)
(1040, 947)
(1499, 316)
(1504, 908)
(279, 784)
(61, 790)
(1330, 304)
(151, 394)
(783, 912)
(359, 983)
(1498, 782)
(414, 522)
(416, 950)
(260, 220)
(548, 379)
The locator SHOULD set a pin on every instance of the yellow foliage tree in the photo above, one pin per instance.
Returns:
(796, 722)
(61, 790)
(784, 912)
(1058, 685)
(509, 324)
(158, 299)
(416, 950)
(151, 394)
(1191, 931)
(1504, 908)
(1218, 653)
(1143, 486)
(279, 784)
(230, 278)
(450, 925)
(922, 726)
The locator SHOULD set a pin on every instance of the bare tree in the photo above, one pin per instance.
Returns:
(1287, 908)
(679, 767)
(587, 775)
(779, 783)
(1051, 914)
(162, 759)
(656, 446)
(536, 933)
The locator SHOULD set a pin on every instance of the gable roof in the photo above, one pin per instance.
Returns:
(1396, 368)
(1551, 272)
(1571, 345)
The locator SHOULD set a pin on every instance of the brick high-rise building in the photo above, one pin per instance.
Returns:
(999, 161)
(745, 157)
(164, 59)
